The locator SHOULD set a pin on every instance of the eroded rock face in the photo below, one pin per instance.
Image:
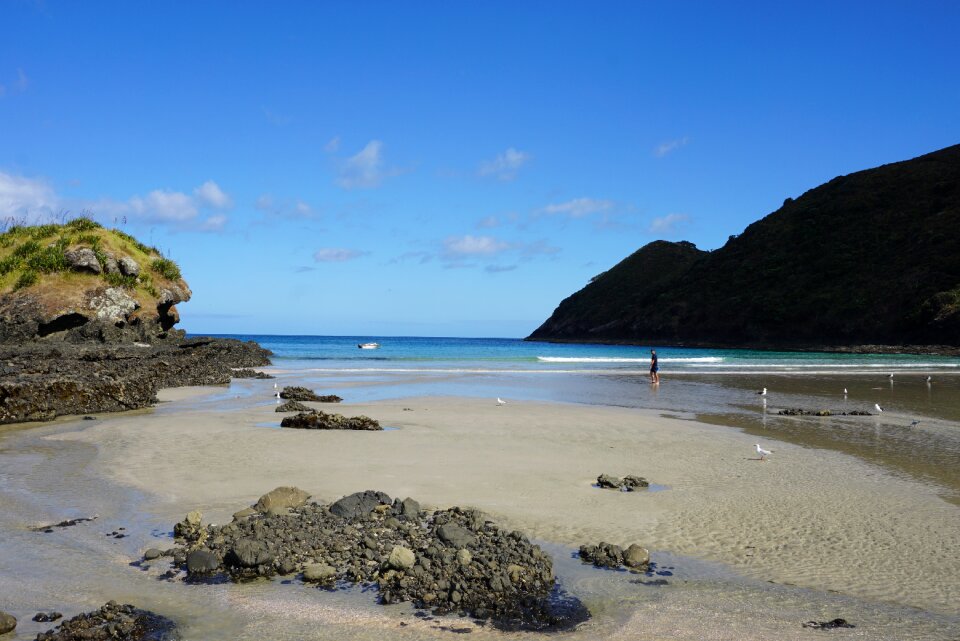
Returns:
(113, 305)
(128, 266)
(83, 259)
(114, 622)
(323, 421)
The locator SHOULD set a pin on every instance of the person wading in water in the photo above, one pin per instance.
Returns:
(654, 368)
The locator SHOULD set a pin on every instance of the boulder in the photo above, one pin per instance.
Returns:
(314, 420)
(244, 513)
(319, 573)
(401, 558)
(128, 266)
(631, 483)
(113, 305)
(83, 259)
(189, 527)
(636, 557)
(151, 554)
(7, 622)
(359, 504)
(46, 617)
(292, 406)
(608, 482)
(455, 535)
(201, 562)
(280, 499)
(249, 553)
(602, 555)
(114, 622)
(409, 508)
(294, 393)
(110, 265)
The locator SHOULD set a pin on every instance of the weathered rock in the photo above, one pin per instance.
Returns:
(8, 622)
(46, 617)
(128, 266)
(359, 504)
(602, 555)
(455, 535)
(281, 498)
(401, 558)
(83, 259)
(244, 513)
(294, 393)
(319, 573)
(828, 625)
(249, 553)
(409, 508)
(608, 482)
(292, 406)
(251, 373)
(631, 483)
(110, 265)
(636, 557)
(113, 305)
(114, 622)
(151, 554)
(190, 526)
(322, 421)
(202, 562)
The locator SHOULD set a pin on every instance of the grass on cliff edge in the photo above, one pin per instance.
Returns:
(34, 256)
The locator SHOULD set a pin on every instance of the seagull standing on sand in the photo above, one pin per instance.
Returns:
(500, 401)
(877, 407)
(890, 377)
(278, 398)
(763, 392)
(929, 379)
(763, 453)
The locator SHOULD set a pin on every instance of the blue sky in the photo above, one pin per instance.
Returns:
(448, 168)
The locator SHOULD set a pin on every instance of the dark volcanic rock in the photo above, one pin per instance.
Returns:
(114, 622)
(202, 562)
(449, 560)
(8, 622)
(608, 555)
(46, 617)
(45, 380)
(799, 411)
(304, 394)
(323, 421)
(631, 483)
(608, 482)
(628, 483)
(251, 373)
(292, 406)
(828, 625)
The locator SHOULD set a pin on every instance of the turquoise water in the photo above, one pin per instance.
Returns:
(412, 354)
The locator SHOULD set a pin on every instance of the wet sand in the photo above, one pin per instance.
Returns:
(823, 520)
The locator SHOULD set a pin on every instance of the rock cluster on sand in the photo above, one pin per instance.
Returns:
(315, 420)
(114, 622)
(608, 555)
(628, 483)
(450, 560)
(797, 411)
(250, 373)
(39, 381)
(828, 625)
(294, 393)
(292, 406)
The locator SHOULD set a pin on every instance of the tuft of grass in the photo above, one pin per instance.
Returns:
(83, 223)
(27, 249)
(133, 241)
(27, 278)
(166, 268)
(48, 260)
(119, 280)
(9, 264)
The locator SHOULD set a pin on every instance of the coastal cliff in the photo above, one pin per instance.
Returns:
(871, 258)
(87, 324)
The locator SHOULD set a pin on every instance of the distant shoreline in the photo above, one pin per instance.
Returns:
(920, 350)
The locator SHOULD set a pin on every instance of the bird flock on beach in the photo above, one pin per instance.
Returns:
(764, 453)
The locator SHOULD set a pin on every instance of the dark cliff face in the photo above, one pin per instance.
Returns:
(868, 258)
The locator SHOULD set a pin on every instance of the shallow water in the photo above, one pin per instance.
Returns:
(78, 568)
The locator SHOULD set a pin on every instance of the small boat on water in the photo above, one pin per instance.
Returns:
(368, 345)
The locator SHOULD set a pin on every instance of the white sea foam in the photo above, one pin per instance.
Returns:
(604, 359)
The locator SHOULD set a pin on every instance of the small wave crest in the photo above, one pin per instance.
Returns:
(605, 359)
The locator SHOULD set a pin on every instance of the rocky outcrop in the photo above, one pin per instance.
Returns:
(294, 393)
(628, 483)
(323, 421)
(39, 381)
(799, 411)
(83, 259)
(281, 499)
(114, 622)
(452, 560)
(292, 406)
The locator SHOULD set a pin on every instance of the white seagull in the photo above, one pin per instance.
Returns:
(890, 376)
(274, 386)
(500, 401)
(763, 392)
(877, 407)
(844, 391)
(929, 379)
(762, 452)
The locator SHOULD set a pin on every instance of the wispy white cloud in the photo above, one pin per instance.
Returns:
(461, 246)
(337, 255)
(212, 223)
(333, 145)
(285, 208)
(669, 146)
(506, 165)
(210, 194)
(421, 257)
(667, 224)
(578, 207)
(27, 199)
(365, 169)
(488, 223)
(496, 269)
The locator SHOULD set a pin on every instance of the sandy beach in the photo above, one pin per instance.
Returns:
(806, 517)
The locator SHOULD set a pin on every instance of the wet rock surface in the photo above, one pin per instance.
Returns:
(828, 625)
(294, 393)
(251, 373)
(292, 406)
(315, 420)
(40, 381)
(449, 561)
(46, 617)
(66, 523)
(8, 622)
(608, 555)
(114, 622)
(628, 483)
(799, 411)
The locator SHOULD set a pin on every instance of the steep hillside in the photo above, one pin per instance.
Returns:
(80, 281)
(868, 258)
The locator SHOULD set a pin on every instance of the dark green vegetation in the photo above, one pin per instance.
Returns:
(868, 258)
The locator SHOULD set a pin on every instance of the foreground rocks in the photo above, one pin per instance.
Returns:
(8, 622)
(40, 381)
(114, 622)
(292, 406)
(294, 393)
(828, 625)
(452, 560)
(628, 483)
(797, 411)
(314, 420)
(607, 555)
